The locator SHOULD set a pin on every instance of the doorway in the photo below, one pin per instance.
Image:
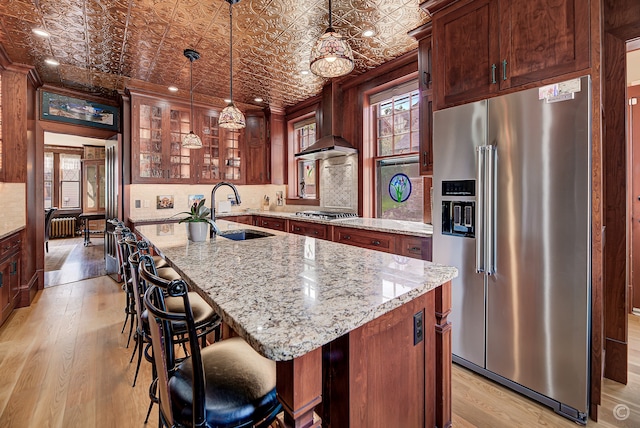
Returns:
(74, 185)
(633, 175)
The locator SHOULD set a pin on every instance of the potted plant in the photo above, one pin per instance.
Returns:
(198, 221)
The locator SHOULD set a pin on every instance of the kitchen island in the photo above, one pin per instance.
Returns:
(360, 337)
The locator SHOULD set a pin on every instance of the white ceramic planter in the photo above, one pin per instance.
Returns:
(198, 231)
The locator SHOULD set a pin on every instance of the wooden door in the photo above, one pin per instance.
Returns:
(466, 52)
(541, 39)
(634, 205)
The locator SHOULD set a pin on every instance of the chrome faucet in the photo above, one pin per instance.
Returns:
(213, 202)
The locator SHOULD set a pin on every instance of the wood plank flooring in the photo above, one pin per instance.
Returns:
(68, 260)
(63, 363)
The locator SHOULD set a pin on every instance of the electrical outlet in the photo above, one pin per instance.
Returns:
(418, 328)
(137, 203)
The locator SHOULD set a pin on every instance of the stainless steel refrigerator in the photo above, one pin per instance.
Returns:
(512, 211)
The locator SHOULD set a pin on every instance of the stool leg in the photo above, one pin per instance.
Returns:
(135, 377)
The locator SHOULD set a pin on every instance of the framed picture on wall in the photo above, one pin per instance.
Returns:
(63, 108)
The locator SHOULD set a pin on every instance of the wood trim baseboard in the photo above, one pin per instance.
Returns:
(28, 291)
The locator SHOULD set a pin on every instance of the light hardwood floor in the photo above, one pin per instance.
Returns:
(63, 363)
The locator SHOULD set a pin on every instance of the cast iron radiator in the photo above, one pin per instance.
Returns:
(63, 227)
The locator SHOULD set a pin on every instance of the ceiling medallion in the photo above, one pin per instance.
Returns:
(231, 117)
(331, 56)
(191, 140)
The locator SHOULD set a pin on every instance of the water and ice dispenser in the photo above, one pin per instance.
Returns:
(459, 216)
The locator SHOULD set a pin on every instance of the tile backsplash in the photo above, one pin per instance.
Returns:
(13, 203)
(339, 183)
(144, 195)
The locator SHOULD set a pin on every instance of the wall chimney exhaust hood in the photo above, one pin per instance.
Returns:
(330, 144)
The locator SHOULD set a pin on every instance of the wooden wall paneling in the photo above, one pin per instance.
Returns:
(633, 193)
(597, 310)
(14, 132)
(32, 275)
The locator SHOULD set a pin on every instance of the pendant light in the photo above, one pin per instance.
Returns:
(230, 116)
(331, 56)
(191, 140)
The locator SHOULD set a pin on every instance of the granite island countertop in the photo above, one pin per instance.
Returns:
(411, 228)
(288, 294)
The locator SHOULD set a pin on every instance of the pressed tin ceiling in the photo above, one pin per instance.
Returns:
(106, 45)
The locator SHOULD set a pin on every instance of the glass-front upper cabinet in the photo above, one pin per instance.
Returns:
(157, 155)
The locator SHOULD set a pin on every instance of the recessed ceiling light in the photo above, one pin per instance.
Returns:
(40, 32)
(258, 100)
(368, 33)
(304, 72)
(173, 89)
(52, 62)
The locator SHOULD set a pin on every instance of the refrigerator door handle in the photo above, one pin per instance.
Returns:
(490, 211)
(480, 188)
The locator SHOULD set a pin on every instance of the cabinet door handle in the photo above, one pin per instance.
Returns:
(375, 242)
(14, 268)
(297, 229)
(493, 74)
(415, 249)
(1, 279)
(347, 237)
(504, 69)
(315, 232)
(424, 158)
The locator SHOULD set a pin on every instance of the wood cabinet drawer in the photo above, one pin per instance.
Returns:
(243, 219)
(308, 229)
(365, 239)
(270, 223)
(415, 246)
(10, 245)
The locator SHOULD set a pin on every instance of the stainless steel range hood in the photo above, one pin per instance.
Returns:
(327, 147)
(330, 144)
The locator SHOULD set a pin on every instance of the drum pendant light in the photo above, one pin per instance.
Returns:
(191, 140)
(331, 56)
(230, 116)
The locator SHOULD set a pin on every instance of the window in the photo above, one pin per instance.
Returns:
(48, 179)
(62, 175)
(69, 181)
(303, 174)
(399, 186)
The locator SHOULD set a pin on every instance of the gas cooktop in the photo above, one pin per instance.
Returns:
(326, 215)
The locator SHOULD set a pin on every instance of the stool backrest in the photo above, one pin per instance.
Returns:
(162, 340)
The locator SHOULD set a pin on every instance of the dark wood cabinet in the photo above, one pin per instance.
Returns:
(466, 52)
(423, 35)
(157, 155)
(270, 223)
(258, 161)
(416, 247)
(365, 238)
(485, 46)
(243, 219)
(315, 230)
(540, 39)
(10, 267)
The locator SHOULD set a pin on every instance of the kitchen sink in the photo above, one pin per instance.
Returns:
(244, 234)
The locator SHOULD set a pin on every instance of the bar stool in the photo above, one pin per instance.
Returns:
(206, 320)
(226, 384)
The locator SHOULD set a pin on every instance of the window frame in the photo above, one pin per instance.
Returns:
(293, 188)
(375, 97)
(56, 179)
